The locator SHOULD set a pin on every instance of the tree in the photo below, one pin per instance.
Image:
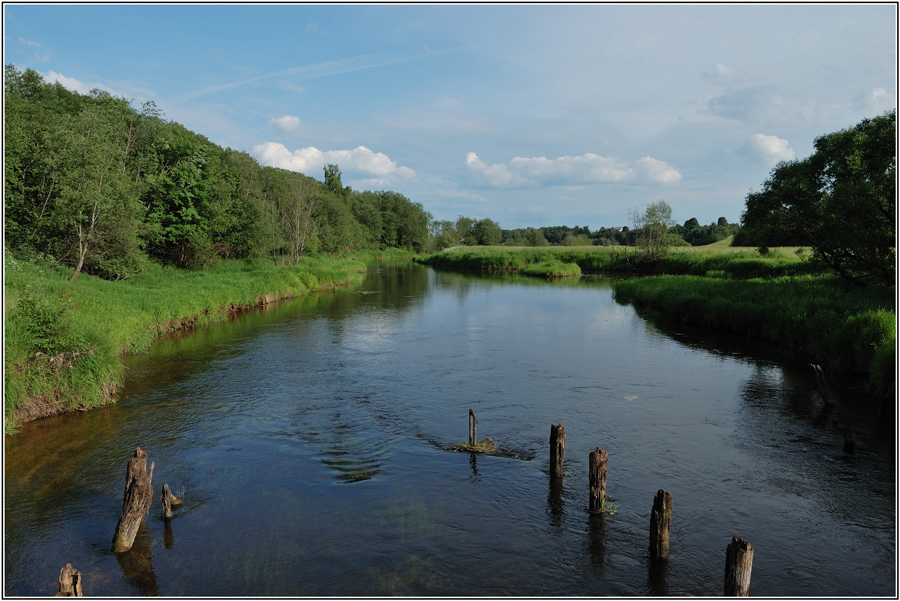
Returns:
(653, 229)
(298, 209)
(95, 197)
(487, 233)
(464, 231)
(840, 200)
(333, 181)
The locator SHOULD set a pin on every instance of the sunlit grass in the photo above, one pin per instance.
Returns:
(822, 318)
(92, 322)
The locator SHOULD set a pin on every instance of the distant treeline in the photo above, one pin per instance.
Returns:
(104, 187)
(466, 231)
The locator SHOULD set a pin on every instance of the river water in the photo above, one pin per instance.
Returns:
(308, 445)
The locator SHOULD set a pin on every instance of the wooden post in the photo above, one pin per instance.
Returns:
(168, 501)
(738, 563)
(69, 582)
(597, 476)
(822, 385)
(473, 424)
(660, 518)
(557, 450)
(135, 502)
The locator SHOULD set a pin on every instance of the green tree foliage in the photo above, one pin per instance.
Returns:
(652, 229)
(104, 187)
(841, 200)
(487, 233)
(700, 235)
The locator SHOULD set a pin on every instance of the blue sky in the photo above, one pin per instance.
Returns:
(530, 115)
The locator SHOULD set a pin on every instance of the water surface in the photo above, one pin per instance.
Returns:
(307, 443)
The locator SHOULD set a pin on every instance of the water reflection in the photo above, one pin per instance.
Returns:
(555, 503)
(137, 564)
(263, 418)
(597, 539)
(658, 577)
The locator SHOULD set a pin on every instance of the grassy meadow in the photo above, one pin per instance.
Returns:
(64, 340)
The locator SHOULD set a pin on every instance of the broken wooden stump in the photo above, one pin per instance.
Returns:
(822, 385)
(69, 582)
(473, 424)
(660, 518)
(557, 450)
(168, 501)
(738, 564)
(597, 477)
(136, 500)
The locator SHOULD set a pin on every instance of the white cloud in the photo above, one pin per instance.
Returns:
(495, 175)
(657, 171)
(588, 168)
(311, 160)
(768, 149)
(70, 83)
(286, 123)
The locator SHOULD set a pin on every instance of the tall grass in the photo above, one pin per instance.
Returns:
(64, 340)
(719, 261)
(821, 318)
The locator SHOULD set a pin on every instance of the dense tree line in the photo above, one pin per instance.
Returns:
(105, 187)
(841, 201)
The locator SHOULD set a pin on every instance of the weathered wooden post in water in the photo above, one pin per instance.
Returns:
(738, 563)
(473, 424)
(168, 501)
(69, 582)
(660, 518)
(557, 450)
(135, 502)
(597, 476)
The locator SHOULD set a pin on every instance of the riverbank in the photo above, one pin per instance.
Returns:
(64, 340)
(780, 297)
(821, 319)
(701, 260)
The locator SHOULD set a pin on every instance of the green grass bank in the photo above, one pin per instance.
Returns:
(702, 260)
(781, 296)
(64, 341)
(819, 318)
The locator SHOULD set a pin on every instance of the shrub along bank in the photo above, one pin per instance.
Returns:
(64, 340)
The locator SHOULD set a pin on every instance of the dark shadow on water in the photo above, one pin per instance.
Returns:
(137, 565)
(555, 503)
(168, 535)
(597, 539)
(657, 577)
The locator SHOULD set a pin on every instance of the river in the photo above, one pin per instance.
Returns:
(308, 445)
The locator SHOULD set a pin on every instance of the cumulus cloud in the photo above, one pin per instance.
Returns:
(588, 168)
(657, 171)
(286, 123)
(311, 160)
(768, 149)
(495, 175)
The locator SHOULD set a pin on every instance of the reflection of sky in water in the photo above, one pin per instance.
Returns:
(309, 444)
